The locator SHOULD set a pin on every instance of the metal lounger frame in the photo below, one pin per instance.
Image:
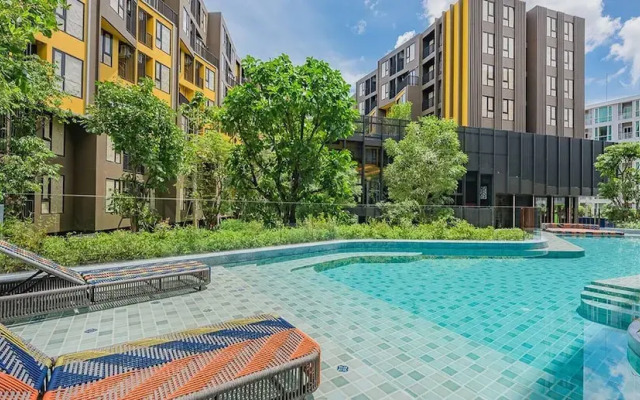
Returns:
(60, 295)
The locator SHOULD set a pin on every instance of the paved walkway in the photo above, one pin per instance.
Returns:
(560, 248)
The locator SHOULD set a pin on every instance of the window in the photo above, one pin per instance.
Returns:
(568, 117)
(603, 133)
(488, 75)
(508, 17)
(112, 187)
(568, 89)
(488, 43)
(361, 107)
(112, 155)
(552, 27)
(488, 11)
(385, 68)
(185, 21)
(385, 91)
(52, 198)
(411, 52)
(552, 57)
(71, 19)
(603, 114)
(568, 31)
(638, 129)
(362, 87)
(107, 48)
(551, 115)
(568, 60)
(210, 79)
(162, 77)
(552, 86)
(507, 110)
(508, 78)
(69, 69)
(488, 107)
(163, 37)
(508, 47)
(118, 6)
(53, 134)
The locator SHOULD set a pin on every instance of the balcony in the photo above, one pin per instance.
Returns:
(131, 19)
(428, 77)
(429, 49)
(146, 39)
(428, 103)
(163, 9)
(189, 69)
(142, 67)
(126, 63)
(202, 51)
(408, 81)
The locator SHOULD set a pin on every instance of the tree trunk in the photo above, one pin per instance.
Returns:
(290, 218)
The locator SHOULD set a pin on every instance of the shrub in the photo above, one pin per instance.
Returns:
(231, 235)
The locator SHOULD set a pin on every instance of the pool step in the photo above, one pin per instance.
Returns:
(610, 304)
(607, 314)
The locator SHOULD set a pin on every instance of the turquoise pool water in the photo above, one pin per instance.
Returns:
(522, 308)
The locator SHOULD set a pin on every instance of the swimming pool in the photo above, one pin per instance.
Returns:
(405, 326)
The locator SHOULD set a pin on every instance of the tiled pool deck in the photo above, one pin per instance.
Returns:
(371, 349)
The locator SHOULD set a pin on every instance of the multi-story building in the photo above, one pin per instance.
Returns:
(223, 47)
(124, 41)
(613, 121)
(488, 64)
(498, 70)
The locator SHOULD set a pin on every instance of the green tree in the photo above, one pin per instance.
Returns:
(28, 93)
(621, 180)
(427, 163)
(206, 159)
(286, 118)
(143, 127)
(400, 111)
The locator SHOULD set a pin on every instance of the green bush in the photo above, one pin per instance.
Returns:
(231, 235)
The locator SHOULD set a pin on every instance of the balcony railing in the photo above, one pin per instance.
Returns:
(163, 9)
(428, 77)
(206, 54)
(408, 81)
(429, 49)
(380, 128)
(132, 17)
(626, 114)
(146, 39)
(199, 82)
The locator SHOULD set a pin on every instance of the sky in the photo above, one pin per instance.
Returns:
(353, 34)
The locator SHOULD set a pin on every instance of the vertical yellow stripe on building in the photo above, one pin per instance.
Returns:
(464, 120)
(456, 63)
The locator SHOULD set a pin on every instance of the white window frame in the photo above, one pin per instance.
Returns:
(488, 11)
(361, 89)
(361, 107)
(112, 155)
(568, 60)
(385, 68)
(568, 118)
(118, 7)
(411, 52)
(568, 89)
(385, 91)
(509, 16)
(552, 86)
(508, 50)
(488, 75)
(552, 57)
(106, 55)
(508, 78)
(508, 106)
(552, 115)
(488, 43)
(488, 107)
(210, 79)
(568, 31)
(112, 186)
(48, 199)
(552, 27)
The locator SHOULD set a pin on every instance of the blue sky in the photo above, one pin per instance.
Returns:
(353, 34)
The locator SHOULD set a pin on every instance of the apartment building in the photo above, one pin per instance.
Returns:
(222, 45)
(499, 71)
(613, 121)
(488, 64)
(124, 41)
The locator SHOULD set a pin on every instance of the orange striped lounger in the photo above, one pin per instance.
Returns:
(258, 358)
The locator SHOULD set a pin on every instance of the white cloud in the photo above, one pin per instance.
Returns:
(610, 77)
(372, 5)
(404, 37)
(360, 27)
(600, 28)
(628, 50)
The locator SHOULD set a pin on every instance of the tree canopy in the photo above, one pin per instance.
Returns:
(400, 111)
(286, 118)
(426, 164)
(29, 93)
(143, 127)
(621, 179)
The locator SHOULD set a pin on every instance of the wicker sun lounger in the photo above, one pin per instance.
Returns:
(56, 288)
(260, 358)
